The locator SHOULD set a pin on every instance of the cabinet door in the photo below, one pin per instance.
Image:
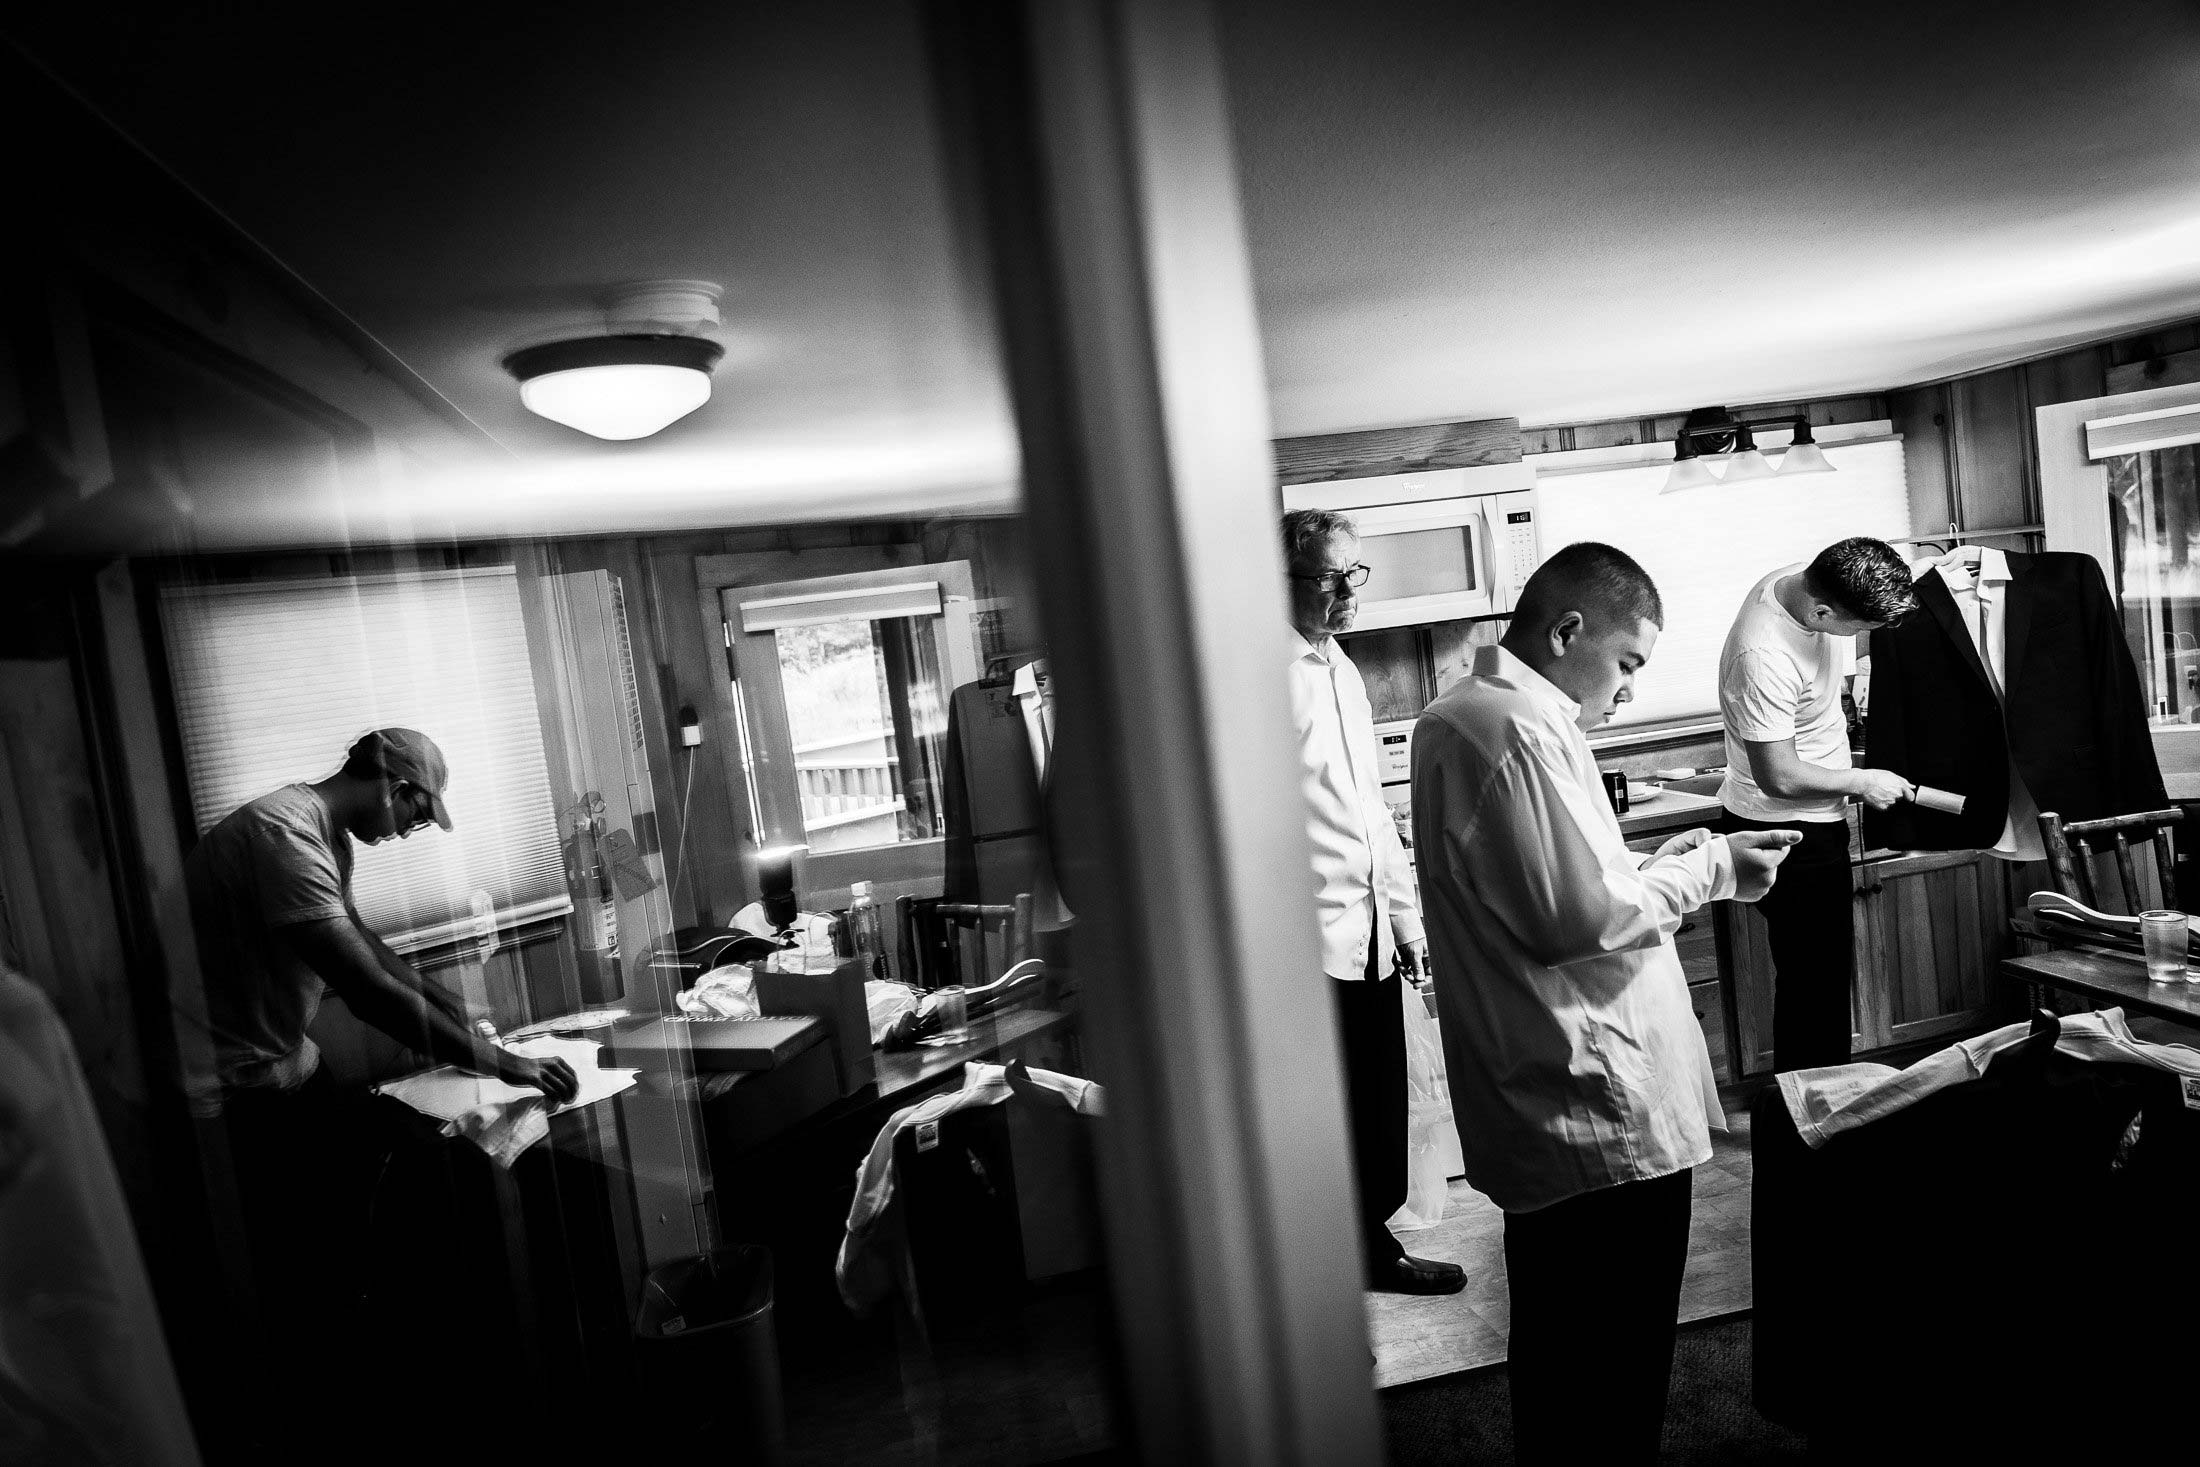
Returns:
(1747, 957)
(1929, 933)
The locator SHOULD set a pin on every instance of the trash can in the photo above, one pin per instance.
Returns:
(708, 1358)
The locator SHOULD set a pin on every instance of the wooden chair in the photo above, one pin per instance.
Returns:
(2071, 848)
(960, 942)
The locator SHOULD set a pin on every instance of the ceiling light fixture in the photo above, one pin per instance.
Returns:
(1714, 432)
(650, 371)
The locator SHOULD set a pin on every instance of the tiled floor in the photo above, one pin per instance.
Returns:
(1416, 1338)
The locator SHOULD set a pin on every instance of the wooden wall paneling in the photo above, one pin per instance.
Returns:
(1000, 560)
(1394, 664)
(2071, 376)
(1992, 435)
(1451, 648)
(2174, 370)
(1920, 415)
(702, 821)
(1377, 452)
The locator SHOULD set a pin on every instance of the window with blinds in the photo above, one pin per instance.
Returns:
(275, 679)
(1706, 547)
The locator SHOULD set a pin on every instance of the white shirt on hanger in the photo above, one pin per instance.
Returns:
(1982, 597)
(1034, 694)
(1033, 690)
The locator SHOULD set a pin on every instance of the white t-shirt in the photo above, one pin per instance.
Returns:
(1780, 680)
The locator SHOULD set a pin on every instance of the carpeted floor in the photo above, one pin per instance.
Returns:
(1463, 1419)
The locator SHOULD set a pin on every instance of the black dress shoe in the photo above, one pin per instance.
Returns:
(1409, 1275)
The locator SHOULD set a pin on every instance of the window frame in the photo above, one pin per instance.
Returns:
(763, 748)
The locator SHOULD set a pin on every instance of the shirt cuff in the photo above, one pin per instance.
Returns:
(1722, 869)
(1406, 927)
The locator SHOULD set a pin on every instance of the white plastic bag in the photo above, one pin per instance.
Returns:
(722, 993)
(1432, 1140)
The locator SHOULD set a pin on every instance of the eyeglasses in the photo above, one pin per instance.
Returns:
(418, 801)
(1335, 581)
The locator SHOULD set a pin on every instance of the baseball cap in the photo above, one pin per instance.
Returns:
(409, 755)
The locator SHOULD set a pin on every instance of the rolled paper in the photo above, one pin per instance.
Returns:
(1940, 800)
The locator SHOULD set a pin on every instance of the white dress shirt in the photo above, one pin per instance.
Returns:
(1983, 600)
(1359, 862)
(1575, 1058)
(1033, 691)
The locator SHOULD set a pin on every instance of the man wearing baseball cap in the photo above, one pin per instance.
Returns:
(270, 889)
(271, 902)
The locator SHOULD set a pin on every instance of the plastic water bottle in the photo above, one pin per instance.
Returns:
(867, 931)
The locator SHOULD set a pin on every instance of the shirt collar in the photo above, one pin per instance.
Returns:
(1993, 570)
(1303, 650)
(1492, 661)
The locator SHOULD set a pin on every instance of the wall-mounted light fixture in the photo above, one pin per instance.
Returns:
(1714, 435)
(651, 369)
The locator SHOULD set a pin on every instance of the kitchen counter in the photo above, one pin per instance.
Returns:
(1667, 812)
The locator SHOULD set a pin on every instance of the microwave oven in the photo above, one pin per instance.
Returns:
(1441, 545)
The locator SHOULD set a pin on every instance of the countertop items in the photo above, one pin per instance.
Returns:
(1670, 810)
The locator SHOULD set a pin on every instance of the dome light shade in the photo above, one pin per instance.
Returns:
(616, 387)
(1688, 473)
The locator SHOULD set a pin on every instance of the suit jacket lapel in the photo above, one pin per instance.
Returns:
(2017, 615)
(1933, 593)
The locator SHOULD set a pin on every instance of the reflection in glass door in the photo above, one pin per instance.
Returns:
(2154, 508)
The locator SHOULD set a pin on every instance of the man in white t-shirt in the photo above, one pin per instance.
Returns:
(1781, 675)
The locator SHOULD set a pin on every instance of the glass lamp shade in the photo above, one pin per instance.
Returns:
(616, 387)
(1746, 465)
(618, 401)
(1688, 473)
(1804, 458)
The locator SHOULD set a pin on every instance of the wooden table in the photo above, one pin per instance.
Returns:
(2106, 977)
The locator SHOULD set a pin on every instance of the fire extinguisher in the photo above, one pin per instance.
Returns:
(596, 905)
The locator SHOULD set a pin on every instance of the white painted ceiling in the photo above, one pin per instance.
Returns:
(1455, 211)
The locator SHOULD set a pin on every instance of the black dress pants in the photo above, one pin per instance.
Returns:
(1371, 1028)
(1596, 1292)
(1809, 914)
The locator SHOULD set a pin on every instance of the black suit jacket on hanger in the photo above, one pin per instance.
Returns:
(2075, 721)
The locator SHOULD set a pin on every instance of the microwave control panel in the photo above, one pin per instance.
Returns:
(1515, 532)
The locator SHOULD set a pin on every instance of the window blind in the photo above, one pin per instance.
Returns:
(1706, 547)
(275, 679)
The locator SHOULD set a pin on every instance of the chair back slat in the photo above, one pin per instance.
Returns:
(962, 942)
(2072, 845)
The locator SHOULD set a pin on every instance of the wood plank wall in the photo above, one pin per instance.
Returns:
(1970, 444)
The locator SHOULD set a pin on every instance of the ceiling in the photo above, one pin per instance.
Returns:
(1454, 212)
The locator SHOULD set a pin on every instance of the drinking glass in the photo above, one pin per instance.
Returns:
(2162, 933)
(953, 1008)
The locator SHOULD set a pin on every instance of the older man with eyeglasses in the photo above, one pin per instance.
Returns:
(1363, 892)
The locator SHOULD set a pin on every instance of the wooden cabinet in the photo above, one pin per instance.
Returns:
(1929, 930)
